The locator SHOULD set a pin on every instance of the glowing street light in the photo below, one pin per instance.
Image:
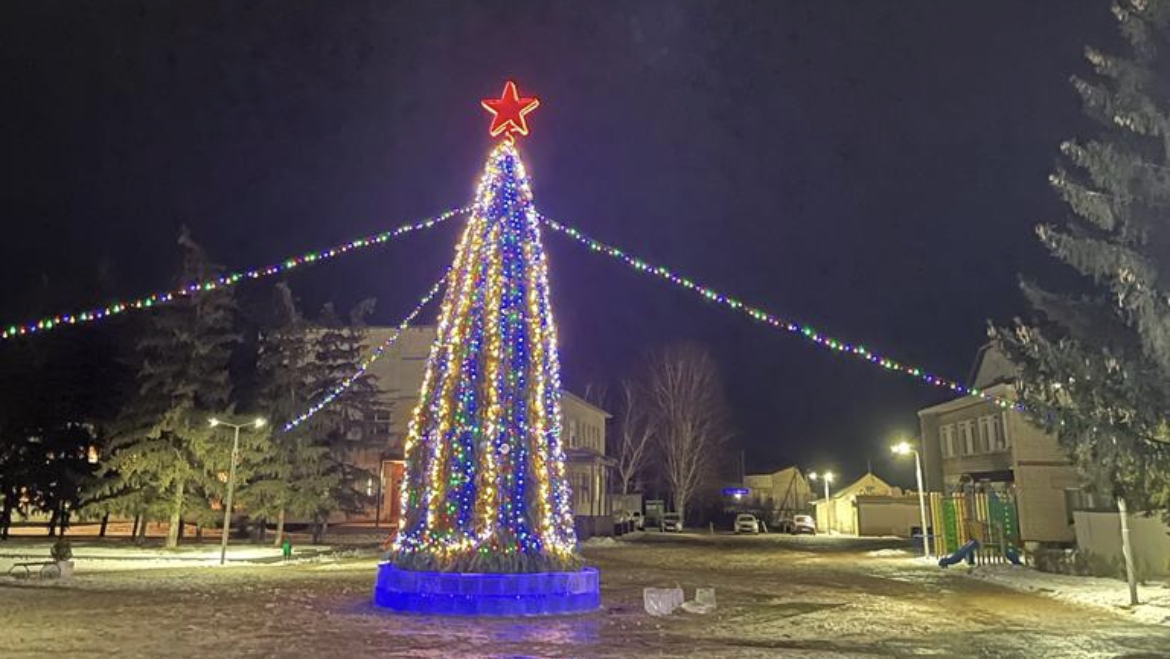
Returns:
(227, 509)
(826, 478)
(905, 448)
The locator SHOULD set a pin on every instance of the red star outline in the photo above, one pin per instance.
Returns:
(508, 111)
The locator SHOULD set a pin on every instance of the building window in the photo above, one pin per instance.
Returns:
(984, 443)
(574, 440)
(947, 440)
(381, 423)
(991, 433)
(967, 434)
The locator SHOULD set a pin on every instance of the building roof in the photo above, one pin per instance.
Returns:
(581, 401)
(775, 473)
(992, 373)
(857, 486)
(1002, 390)
(991, 367)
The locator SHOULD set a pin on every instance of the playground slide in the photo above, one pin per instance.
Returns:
(966, 552)
(1012, 555)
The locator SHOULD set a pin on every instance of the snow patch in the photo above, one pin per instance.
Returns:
(601, 541)
(887, 553)
(1098, 592)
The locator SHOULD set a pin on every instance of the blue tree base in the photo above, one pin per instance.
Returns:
(487, 594)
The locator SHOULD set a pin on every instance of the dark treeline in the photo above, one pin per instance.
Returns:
(114, 419)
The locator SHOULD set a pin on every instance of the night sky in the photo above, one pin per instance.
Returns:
(874, 169)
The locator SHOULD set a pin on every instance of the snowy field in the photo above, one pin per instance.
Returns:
(777, 597)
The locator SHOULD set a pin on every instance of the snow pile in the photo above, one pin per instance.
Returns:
(1098, 592)
(600, 541)
(887, 553)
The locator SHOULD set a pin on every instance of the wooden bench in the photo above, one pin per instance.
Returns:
(45, 567)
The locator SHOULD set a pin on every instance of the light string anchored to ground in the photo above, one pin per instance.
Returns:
(805, 331)
(194, 288)
(365, 364)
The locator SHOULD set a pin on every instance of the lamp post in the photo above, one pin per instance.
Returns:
(227, 508)
(826, 478)
(904, 448)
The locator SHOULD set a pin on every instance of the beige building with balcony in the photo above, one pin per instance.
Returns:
(970, 442)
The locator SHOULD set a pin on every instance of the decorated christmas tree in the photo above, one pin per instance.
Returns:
(485, 486)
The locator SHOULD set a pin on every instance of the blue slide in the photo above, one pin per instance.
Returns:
(1012, 555)
(966, 552)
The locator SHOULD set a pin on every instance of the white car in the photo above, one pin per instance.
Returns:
(746, 523)
(804, 524)
(639, 521)
(672, 522)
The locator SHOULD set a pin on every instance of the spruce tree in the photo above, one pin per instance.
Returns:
(1095, 359)
(344, 425)
(165, 455)
(298, 477)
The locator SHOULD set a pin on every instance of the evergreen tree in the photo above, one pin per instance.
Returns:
(164, 454)
(1095, 362)
(344, 425)
(298, 477)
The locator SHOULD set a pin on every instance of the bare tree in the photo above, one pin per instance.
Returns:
(685, 400)
(632, 441)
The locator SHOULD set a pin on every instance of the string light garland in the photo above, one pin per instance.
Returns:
(194, 288)
(484, 487)
(364, 365)
(807, 332)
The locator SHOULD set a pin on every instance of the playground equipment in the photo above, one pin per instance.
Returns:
(979, 527)
(965, 553)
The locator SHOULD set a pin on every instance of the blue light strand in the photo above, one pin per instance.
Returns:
(365, 364)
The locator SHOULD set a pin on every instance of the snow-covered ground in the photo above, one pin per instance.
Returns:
(778, 596)
(1109, 594)
(89, 557)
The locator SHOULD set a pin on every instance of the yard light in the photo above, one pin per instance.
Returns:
(227, 509)
(905, 448)
(825, 477)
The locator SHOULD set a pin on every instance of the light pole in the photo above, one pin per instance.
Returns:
(227, 508)
(826, 478)
(904, 448)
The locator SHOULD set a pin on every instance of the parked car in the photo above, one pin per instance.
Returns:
(746, 523)
(804, 524)
(639, 520)
(672, 522)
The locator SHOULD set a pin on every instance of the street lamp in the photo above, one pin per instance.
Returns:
(826, 478)
(227, 509)
(904, 448)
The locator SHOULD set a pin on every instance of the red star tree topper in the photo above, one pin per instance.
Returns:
(508, 111)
